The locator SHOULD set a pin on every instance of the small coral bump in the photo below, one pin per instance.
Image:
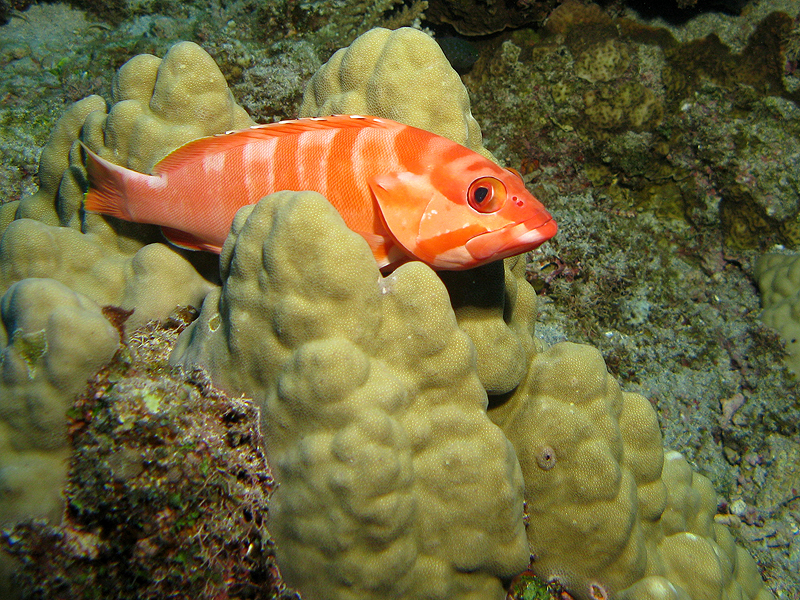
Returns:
(597, 591)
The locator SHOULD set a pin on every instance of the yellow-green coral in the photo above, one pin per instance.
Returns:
(317, 352)
(52, 340)
(160, 105)
(401, 75)
(58, 266)
(603, 60)
(496, 307)
(778, 277)
(392, 480)
(612, 515)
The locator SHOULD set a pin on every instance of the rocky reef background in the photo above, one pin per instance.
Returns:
(667, 152)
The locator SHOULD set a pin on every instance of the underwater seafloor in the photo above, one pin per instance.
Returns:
(670, 169)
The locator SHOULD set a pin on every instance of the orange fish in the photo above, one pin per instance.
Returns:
(411, 194)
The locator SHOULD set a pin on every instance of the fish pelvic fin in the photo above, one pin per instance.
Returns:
(187, 241)
(107, 183)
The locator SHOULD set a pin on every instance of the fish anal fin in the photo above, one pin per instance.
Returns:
(383, 247)
(187, 241)
(394, 258)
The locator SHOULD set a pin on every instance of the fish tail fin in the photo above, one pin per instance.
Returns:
(106, 193)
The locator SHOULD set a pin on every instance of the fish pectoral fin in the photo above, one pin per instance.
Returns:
(401, 199)
(187, 241)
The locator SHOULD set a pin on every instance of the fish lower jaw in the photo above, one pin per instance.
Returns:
(455, 259)
(510, 240)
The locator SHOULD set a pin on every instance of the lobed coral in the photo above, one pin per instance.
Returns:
(376, 426)
(394, 480)
(778, 277)
(317, 328)
(613, 514)
(59, 266)
(401, 75)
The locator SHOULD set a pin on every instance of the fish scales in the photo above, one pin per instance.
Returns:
(257, 161)
(324, 160)
(411, 194)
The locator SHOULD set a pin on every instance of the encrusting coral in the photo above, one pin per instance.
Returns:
(778, 277)
(406, 418)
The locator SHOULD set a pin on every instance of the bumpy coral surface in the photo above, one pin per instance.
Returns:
(612, 515)
(401, 75)
(60, 267)
(610, 489)
(778, 278)
(393, 481)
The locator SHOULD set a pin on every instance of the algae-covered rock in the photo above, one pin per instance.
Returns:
(778, 277)
(696, 129)
(479, 17)
(747, 164)
(166, 497)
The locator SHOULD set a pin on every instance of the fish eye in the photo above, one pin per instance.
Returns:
(486, 194)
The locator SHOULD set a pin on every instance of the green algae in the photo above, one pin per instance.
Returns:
(31, 347)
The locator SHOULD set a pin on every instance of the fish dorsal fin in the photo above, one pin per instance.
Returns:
(203, 147)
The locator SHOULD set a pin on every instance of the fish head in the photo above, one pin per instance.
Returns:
(454, 218)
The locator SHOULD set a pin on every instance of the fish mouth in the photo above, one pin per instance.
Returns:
(512, 239)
